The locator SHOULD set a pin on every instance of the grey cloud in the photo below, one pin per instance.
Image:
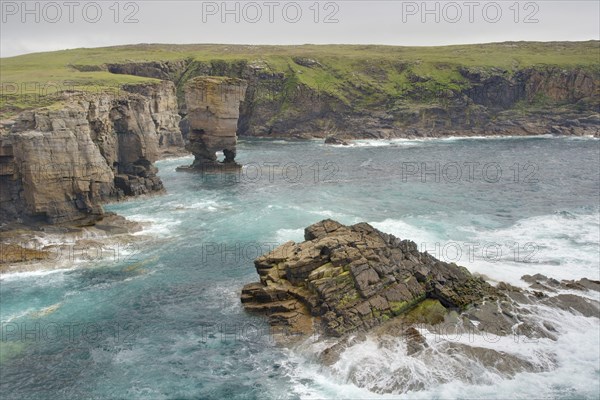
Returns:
(70, 24)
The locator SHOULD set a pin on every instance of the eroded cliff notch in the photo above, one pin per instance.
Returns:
(213, 107)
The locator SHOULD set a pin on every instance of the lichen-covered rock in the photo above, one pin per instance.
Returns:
(213, 106)
(355, 277)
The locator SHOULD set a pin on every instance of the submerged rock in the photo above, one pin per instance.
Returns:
(348, 278)
(336, 141)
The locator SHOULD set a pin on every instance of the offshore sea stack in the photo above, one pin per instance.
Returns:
(343, 279)
(213, 110)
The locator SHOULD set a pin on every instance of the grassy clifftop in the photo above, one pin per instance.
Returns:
(357, 75)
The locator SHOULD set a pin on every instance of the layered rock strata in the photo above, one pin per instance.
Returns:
(357, 288)
(488, 101)
(59, 165)
(355, 283)
(213, 110)
(347, 278)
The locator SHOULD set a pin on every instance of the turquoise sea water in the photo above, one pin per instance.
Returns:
(161, 319)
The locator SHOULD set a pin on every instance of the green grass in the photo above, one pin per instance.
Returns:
(358, 75)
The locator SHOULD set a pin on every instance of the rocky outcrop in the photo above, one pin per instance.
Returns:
(53, 172)
(213, 106)
(164, 70)
(514, 315)
(372, 299)
(348, 278)
(58, 166)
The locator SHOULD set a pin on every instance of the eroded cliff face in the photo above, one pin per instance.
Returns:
(58, 166)
(483, 101)
(213, 107)
(54, 172)
(163, 110)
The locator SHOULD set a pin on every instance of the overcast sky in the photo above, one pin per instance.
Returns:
(54, 25)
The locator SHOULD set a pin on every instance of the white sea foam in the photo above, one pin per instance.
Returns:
(403, 142)
(328, 213)
(383, 143)
(380, 368)
(404, 230)
(567, 367)
(156, 226)
(204, 205)
(561, 245)
(7, 276)
(285, 235)
(42, 240)
(493, 137)
(279, 142)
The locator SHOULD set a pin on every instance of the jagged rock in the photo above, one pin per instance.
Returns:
(415, 342)
(542, 282)
(56, 176)
(355, 277)
(570, 302)
(213, 106)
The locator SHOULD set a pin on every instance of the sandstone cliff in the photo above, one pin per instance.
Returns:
(58, 165)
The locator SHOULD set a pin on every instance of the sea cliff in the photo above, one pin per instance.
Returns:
(59, 164)
(65, 148)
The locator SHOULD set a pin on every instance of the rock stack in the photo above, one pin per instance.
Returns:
(213, 107)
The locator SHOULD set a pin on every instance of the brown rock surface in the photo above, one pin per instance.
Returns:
(350, 278)
(58, 165)
(213, 106)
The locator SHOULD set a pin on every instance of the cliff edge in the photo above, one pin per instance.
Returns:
(58, 165)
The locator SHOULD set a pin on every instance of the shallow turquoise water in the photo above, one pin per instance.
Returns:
(163, 319)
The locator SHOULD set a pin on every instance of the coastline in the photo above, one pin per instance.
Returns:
(177, 281)
(65, 247)
(452, 135)
(114, 227)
